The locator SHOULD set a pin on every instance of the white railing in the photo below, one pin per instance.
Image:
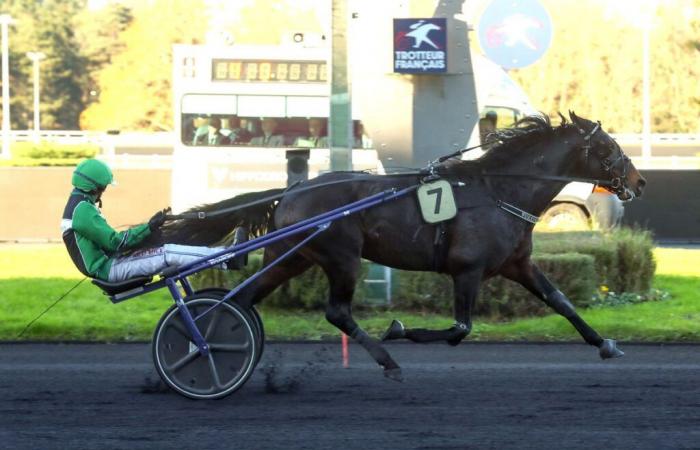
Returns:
(106, 141)
(60, 136)
(659, 138)
(667, 163)
(160, 136)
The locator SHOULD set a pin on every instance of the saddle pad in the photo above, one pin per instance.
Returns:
(437, 201)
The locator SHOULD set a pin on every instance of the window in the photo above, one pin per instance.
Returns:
(233, 130)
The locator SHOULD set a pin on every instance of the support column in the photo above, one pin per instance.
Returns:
(340, 120)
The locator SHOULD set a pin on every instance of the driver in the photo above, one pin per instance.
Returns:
(95, 247)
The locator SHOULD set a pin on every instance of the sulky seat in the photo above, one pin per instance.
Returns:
(114, 289)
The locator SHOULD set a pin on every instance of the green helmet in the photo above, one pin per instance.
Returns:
(91, 175)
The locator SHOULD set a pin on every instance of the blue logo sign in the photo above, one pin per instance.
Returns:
(420, 45)
(515, 33)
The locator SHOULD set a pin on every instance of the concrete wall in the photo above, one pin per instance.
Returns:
(32, 199)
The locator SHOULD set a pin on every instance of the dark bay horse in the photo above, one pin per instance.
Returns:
(527, 168)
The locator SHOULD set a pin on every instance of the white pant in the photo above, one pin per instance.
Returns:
(151, 261)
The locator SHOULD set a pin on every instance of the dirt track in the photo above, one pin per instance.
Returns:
(473, 396)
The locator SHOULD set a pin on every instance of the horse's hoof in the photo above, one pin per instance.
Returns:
(394, 374)
(609, 350)
(396, 331)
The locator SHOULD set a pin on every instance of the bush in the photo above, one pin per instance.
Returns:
(308, 291)
(49, 153)
(499, 297)
(636, 264)
(596, 244)
(624, 260)
(422, 291)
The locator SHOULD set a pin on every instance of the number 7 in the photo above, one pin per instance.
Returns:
(438, 193)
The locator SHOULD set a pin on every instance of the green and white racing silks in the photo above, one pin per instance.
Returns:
(91, 242)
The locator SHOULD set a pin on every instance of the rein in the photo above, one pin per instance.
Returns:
(204, 214)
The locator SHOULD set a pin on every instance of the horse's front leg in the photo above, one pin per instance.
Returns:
(466, 289)
(532, 278)
(342, 276)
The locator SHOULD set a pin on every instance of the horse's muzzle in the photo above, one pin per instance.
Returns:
(639, 188)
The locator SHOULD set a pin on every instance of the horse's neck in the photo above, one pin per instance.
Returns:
(532, 194)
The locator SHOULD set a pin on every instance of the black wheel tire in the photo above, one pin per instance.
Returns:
(564, 217)
(255, 315)
(232, 340)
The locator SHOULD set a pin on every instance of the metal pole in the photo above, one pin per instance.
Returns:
(340, 120)
(646, 120)
(5, 21)
(646, 97)
(36, 57)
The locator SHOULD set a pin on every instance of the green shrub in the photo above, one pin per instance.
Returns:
(422, 291)
(44, 153)
(308, 291)
(636, 264)
(499, 297)
(624, 260)
(596, 244)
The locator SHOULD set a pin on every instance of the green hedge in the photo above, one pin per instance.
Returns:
(42, 153)
(580, 264)
(624, 257)
(308, 291)
(499, 297)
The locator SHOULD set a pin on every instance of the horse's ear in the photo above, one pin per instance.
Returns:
(563, 119)
(576, 120)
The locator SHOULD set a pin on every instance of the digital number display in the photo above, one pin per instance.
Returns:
(269, 71)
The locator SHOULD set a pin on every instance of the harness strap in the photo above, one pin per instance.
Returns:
(439, 247)
(549, 178)
(526, 216)
(512, 209)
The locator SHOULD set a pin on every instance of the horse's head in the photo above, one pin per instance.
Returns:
(602, 158)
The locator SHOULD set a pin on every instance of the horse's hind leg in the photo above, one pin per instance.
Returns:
(532, 278)
(466, 289)
(342, 277)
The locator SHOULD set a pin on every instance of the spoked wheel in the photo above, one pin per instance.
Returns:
(254, 314)
(232, 339)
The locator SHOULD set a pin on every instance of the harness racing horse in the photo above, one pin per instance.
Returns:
(525, 170)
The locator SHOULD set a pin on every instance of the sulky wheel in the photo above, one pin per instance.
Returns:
(232, 339)
(255, 315)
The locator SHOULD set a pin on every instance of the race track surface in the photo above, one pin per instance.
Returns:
(472, 396)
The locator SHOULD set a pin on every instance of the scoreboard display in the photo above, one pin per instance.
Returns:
(269, 71)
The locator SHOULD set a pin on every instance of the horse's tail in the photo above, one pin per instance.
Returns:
(217, 225)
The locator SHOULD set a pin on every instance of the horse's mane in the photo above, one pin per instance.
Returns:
(510, 142)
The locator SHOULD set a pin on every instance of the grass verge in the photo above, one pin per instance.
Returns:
(87, 315)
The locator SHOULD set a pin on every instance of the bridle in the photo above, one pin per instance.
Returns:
(617, 183)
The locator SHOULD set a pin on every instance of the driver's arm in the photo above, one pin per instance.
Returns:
(88, 221)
